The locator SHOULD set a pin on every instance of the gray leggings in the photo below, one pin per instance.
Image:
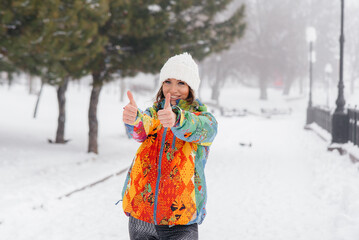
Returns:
(140, 230)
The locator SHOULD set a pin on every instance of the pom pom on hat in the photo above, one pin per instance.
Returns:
(181, 67)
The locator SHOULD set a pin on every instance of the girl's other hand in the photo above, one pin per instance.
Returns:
(130, 110)
(166, 116)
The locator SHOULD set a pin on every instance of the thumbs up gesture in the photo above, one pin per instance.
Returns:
(130, 110)
(166, 116)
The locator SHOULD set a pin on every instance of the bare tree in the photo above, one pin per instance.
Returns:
(273, 47)
(274, 51)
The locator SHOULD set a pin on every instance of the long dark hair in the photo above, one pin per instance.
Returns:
(160, 96)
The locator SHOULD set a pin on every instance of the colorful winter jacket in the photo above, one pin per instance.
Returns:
(166, 183)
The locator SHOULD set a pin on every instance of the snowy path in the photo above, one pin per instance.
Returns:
(283, 187)
(286, 186)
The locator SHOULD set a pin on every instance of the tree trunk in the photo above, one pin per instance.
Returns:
(10, 78)
(215, 91)
(301, 87)
(216, 87)
(92, 117)
(31, 84)
(287, 86)
(61, 99)
(38, 98)
(263, 87)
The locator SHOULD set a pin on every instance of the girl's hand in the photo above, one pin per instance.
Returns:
(166, 116)
(130, 110)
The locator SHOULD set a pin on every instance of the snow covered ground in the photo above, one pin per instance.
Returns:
(268, 178)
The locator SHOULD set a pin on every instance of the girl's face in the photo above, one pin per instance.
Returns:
(177, 88)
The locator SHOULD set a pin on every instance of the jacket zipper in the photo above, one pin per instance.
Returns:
(159, 175)
(173, 142)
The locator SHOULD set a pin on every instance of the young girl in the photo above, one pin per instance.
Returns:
(165, 191)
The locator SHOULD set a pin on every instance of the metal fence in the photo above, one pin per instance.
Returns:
(323, 117)
(353, 126)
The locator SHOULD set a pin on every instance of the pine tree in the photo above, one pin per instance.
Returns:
(16, 17)
(62, 40)
(76, 42)
(54, 40)
(143, 34)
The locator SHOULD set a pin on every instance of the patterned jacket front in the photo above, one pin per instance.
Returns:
(166, 183)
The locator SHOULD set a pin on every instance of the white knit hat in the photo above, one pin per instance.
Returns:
(181, 67)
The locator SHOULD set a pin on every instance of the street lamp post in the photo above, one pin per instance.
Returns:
(311, 37)
(340, 119)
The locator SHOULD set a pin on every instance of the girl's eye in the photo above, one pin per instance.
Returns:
(181, 83)
(168, 82)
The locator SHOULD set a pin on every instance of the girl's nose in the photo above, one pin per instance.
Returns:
(173, 88)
